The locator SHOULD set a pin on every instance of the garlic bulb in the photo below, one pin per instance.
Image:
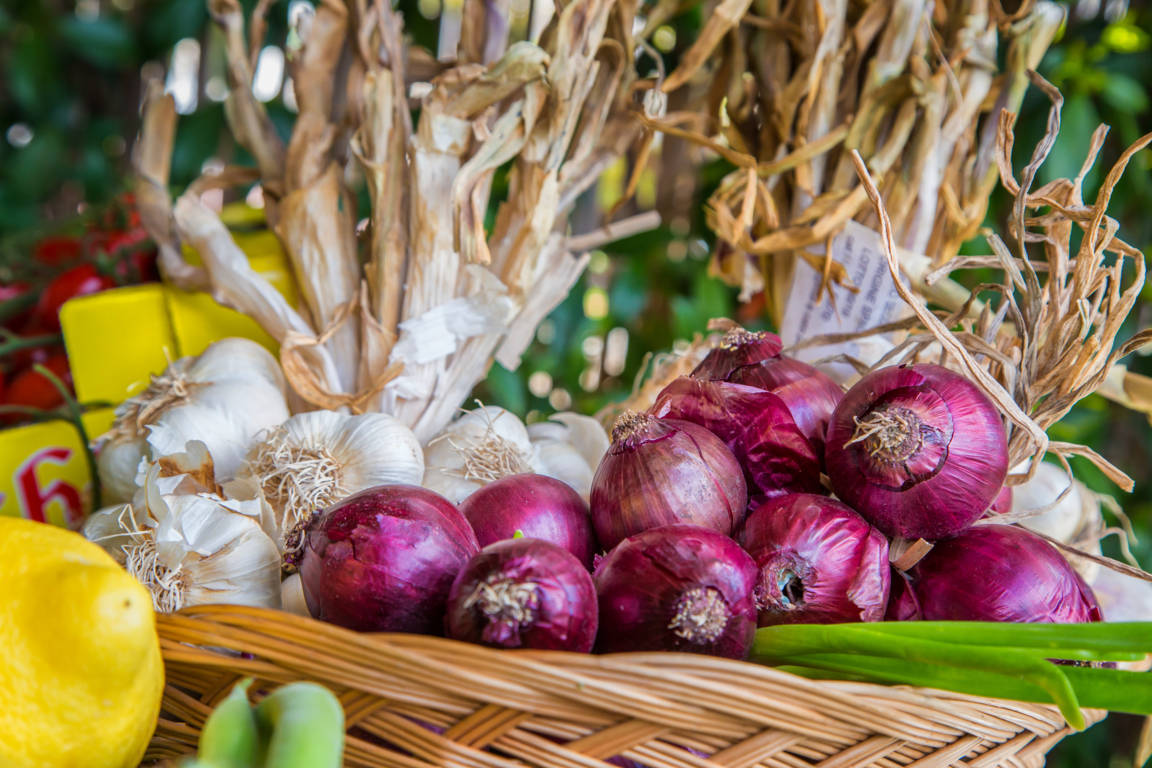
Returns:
(569, 447)
(586, 435)
(483, 445)
(1060, 519)
(315, 459)
(1074, 519)
(292, 596)
(190, 546)
(225, 397)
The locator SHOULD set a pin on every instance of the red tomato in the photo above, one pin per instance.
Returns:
(78, 281)
(30, 388)
(58, 249)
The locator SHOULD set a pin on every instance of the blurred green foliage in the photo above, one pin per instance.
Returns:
(68, 112)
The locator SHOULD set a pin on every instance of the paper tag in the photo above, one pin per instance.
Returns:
(861, 252)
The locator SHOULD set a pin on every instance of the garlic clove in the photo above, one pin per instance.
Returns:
(118, 462)
(1122, 598)
(376, 449)
(237, 359)
(292, 596)
(563, 462)
(227, 418)
(586, 435)
(110, 529)
(1059, 519)
(225, 397)
(449, 484)
(552, 431)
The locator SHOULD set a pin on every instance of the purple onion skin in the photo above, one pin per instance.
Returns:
(524, 593)
(1002, 504)
(754, 359)
(810, 394)
(819, 562)
(755, 425)
(677, 588)
(935, 465)
(994, 573)
(384, 559)
(737, 349)
(539, 507)
(664, 472)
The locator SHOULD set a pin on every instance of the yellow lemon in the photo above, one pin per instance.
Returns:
(80, 667)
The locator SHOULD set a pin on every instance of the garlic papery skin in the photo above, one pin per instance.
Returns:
(1075, 519)
(225, 397)
(194, 548)
(584, 433)
(315, 459)
(569, 447)
(483, 445)
(1060, 518)
(292, 596)
(111, 528)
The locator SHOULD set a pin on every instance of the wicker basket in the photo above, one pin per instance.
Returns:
(499, 709)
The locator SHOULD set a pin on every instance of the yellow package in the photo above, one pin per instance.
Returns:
(44, 474)
(116, 339)
(198, 320)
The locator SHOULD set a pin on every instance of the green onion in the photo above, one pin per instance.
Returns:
(999, 660)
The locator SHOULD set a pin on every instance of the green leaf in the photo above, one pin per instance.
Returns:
(33, 74)
(35, 170)
(104, 41)
(1124, 94)
(166, 23)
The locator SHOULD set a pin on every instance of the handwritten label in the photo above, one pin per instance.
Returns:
(811, 312)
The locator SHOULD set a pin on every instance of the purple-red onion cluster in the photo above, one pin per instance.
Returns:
(753, 492)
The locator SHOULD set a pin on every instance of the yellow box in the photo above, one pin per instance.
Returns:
(116, 339)
(45, 473)
(198, 320)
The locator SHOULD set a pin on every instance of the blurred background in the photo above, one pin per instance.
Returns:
(72, 77)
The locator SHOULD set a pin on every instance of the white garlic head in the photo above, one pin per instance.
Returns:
(315, 459)
(569, 447)
(223, 398)
(189, 545)
(483, 445)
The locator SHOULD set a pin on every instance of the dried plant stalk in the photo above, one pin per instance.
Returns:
(440, 296)
(1046, 336)
(908, 84)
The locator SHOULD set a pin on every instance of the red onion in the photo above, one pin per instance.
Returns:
(756, 426)
(918, 450)
(754, 359)
(819, 562)
(539, 507)
(383, 560)
(665, 471)
(524, 593)
(677, 588)
(1002, 504)
(737, 349)
(994, 573)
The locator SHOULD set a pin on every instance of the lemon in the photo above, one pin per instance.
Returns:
(80, 667)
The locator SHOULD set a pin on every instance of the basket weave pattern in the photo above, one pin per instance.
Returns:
(502, 709)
